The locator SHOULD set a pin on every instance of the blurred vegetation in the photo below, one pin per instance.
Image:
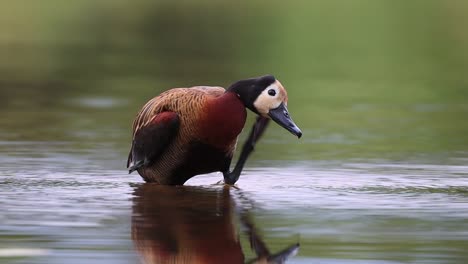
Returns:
(366, 78)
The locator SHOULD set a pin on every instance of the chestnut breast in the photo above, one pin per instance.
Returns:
(222, 120)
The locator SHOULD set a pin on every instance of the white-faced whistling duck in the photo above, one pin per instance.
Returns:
(184, 132)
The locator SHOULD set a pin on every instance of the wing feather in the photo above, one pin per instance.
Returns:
(151, 136)
(151, 140)
(183, 101)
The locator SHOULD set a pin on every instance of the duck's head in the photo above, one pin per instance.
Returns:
(267, 97)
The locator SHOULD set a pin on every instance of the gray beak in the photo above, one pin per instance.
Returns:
(281, 116)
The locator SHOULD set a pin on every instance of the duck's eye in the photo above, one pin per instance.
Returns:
(272, 92)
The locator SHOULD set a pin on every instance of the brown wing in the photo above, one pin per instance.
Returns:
(155, 127)
(151, 140)
(183, 101)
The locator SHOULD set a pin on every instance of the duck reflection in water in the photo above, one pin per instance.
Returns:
(195, 225)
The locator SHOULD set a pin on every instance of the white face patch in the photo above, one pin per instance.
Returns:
(270, 98)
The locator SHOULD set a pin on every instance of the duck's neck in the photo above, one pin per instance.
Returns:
(224, 119)
(244, 96)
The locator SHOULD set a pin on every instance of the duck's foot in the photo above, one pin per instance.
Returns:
(219, 183)
(224, 184)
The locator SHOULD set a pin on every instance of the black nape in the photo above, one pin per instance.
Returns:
(249, 89)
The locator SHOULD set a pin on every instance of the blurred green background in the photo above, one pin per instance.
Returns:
(367, 79)
(372, 81)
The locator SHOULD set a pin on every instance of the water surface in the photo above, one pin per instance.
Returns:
(65, 212)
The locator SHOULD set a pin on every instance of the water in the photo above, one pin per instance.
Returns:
(379, 89)
(68, 210)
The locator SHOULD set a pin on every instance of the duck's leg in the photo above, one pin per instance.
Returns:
(257, 131)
